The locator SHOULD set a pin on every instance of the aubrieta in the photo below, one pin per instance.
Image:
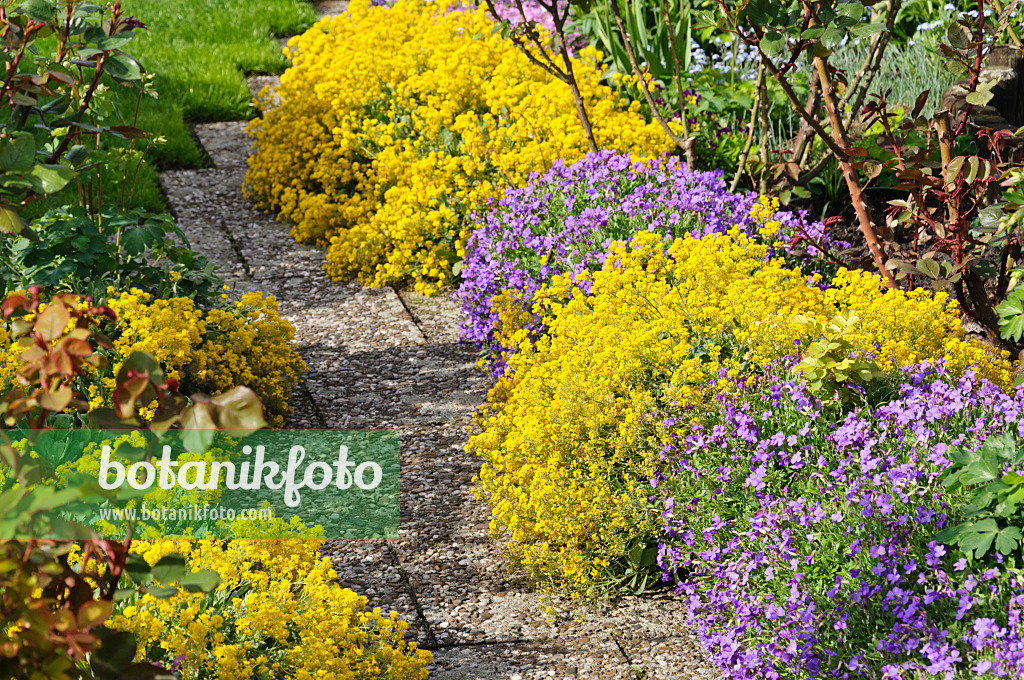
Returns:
(395, 123)
(802, 538)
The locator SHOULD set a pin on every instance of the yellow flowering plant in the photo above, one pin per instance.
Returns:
(275, 615)
(395, 124)
(206, 351)
(58, 595)
(210, 351)
(570, 436)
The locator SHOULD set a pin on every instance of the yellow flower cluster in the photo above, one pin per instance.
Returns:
(276, 615)
(248, 344)
(568, 439)
(8, 361)
(395, 124)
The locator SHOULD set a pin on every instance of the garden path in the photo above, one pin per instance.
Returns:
(382, 359)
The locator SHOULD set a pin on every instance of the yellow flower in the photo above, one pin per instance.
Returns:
(277, 613)
(568, 440)
(395, 124)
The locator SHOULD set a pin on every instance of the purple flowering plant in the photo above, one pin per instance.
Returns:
(563, 222)
(802, 533)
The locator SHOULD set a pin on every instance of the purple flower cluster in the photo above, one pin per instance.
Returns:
(802, 538)
(563, 221)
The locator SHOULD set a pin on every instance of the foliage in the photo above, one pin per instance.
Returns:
(570, 436)
(1011, 315)
(832, 366)
(949, 187)
(993, 514)
(74, 252)
(383, 144)
(276, 613)
(62, 60)
(54, 607)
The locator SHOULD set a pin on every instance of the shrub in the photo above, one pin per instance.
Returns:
(73, 251)
(275, 614)
(395, 124)
(206, 351)
(248, 344)
(572, 435)
(563, 221)
(804, 536)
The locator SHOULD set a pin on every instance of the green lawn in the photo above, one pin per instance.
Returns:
(201, 52)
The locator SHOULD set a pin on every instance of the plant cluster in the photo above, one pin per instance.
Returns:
(277, 612)
(808, 540)
(59, 595)
(570, 436)
(395, 124)
(563, 222)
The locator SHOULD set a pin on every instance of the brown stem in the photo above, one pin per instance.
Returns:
(581, 109)
(685, 144)
(765, 124)
(805, 134)
(858, 89)
(677, 70)
(867, 227)
(66, 142)
(975, 69)
(998, 6)
(750, 130)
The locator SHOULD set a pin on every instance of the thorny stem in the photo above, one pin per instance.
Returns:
(975, 69)
(805, 134)
(862, 80)
(93, 85)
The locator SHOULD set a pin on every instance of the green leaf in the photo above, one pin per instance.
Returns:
(772, 43)
(979, 98)
(49, 179)
(929, 268)
(170, 569)
(1007, 540)
(122, 67)
(18, 153)
(10, 221)
(979, 537)
(162, 592)
(203, 581)
(136, 241)
(114, 655)
(38, 10)
(77, 154)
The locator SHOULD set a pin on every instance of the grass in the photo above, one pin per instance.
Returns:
(201, 53)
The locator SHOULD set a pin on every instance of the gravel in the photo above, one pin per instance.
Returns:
(382, 359)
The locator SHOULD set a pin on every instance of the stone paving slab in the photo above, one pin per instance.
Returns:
(386, 360)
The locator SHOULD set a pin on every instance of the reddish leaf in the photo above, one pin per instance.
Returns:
(58, 399)
(52, 321)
